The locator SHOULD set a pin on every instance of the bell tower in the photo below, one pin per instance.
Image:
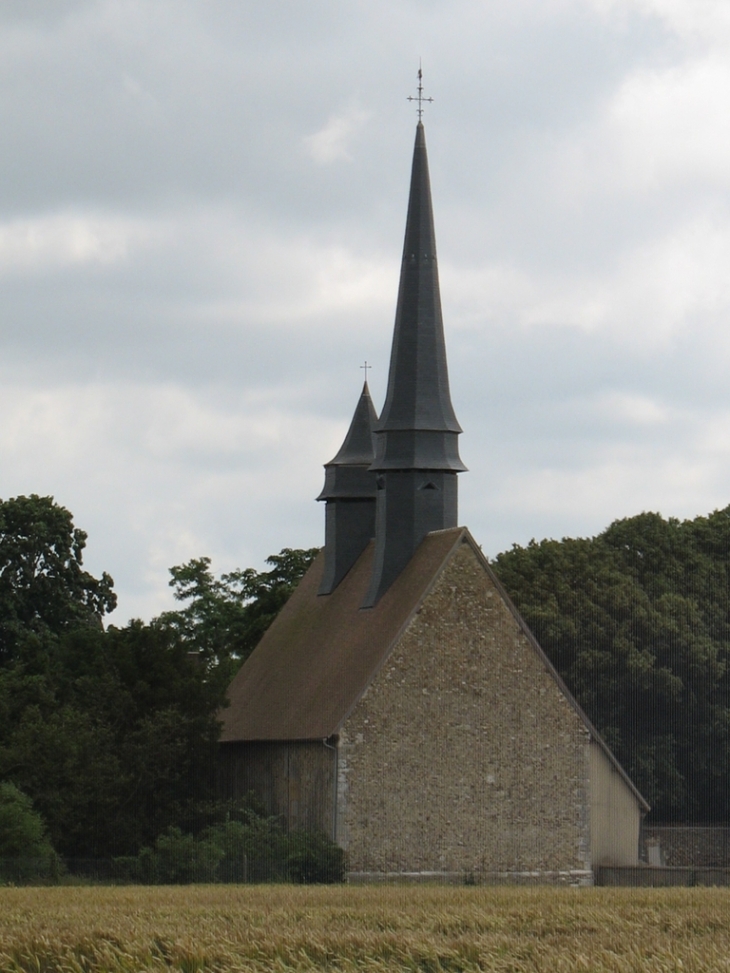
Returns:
(417, 457)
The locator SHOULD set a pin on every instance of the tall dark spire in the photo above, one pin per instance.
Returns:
(417, 456)
(349, 491)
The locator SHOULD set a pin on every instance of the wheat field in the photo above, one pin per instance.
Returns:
(421, 928)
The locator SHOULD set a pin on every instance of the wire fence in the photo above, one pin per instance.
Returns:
(151, 871)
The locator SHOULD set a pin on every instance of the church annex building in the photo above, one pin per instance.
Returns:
(398, 702)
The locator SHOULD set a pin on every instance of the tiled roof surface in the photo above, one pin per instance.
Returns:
(320, 653)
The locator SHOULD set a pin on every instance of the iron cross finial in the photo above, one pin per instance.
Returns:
(419, 97)
(366, 367)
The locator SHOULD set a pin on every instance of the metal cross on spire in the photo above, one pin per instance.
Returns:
(419, 97)
(366, 367)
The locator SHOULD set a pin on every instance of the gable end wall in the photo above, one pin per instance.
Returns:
(464, 756)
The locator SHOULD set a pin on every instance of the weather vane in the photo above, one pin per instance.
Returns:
(419, 97)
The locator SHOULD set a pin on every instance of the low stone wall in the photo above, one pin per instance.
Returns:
(685, 846)
(649, 876)
(576, 878)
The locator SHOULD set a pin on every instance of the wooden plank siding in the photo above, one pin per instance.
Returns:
(293, 780)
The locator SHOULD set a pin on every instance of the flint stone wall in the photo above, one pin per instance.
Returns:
(700, 847)
(463, 755)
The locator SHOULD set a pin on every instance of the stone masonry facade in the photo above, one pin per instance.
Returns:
(464, 755)
(690, 846)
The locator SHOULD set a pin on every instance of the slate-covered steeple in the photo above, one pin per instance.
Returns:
(417, 457)
(349, 491)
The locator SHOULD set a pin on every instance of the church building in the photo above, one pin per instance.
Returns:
(399, 703)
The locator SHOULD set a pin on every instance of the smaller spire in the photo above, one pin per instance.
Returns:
(350, 490)
(358, 448)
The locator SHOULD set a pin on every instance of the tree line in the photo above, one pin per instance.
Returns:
(108, 734)
(111, 732)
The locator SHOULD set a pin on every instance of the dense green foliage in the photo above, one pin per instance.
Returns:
(44, 590)
(112, 734)
(637, 621)
(22, 831)
(114, 737)
(312, 858)
(248, 847)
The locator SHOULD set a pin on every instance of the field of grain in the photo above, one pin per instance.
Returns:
(222, 928)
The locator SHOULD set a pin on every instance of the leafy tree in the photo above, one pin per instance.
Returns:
(249, 847)
(225, 617)
(22, 830)
(44, 589)
(177, 858)
(65, 760)
(115, 739)
(253, 846)
(113, 733)
(313, 858)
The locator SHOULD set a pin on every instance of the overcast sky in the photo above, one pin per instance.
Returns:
(202, 206)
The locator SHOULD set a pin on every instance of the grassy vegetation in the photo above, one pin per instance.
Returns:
(230, 928)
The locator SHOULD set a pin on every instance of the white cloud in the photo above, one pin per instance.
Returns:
(707, 21)
(647, 296)
(159, 474)
(622, 480)
(637, 410)
(297, 280)
(671, 125)
(332, 142)
(32, 245)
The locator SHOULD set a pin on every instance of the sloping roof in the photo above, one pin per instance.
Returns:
(348, 476)
(321, 652)
(358, 448)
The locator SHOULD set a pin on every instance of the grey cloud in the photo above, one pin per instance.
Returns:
(169, 241)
